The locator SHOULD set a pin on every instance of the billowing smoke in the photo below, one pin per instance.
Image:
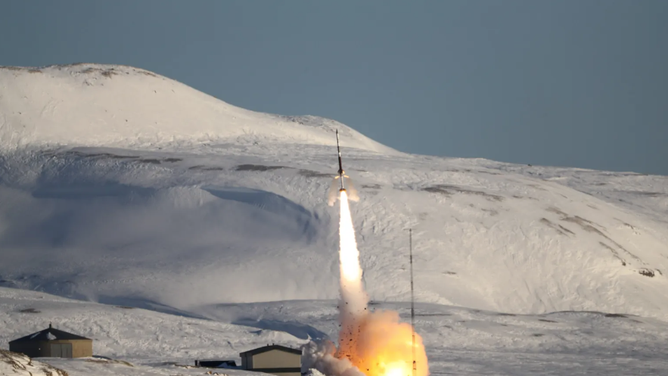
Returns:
(370, 343)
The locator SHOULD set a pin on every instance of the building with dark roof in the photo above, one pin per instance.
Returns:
(52, 342)
(275, 359)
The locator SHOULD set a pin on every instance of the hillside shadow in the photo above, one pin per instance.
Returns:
(129, 303)
(272, 203)
(85, 190)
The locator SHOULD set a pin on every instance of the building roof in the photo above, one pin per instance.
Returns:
(262, 349)
(49, 334)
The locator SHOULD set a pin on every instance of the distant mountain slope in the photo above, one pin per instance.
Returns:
(152, 216)
(112, 105)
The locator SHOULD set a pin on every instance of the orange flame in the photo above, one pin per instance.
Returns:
(384, 347)
(376, 343)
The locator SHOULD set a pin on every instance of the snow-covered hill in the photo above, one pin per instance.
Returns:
(124, 187)
(111, 105)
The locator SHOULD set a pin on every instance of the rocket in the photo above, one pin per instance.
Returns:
(337, 187)
(341, 172)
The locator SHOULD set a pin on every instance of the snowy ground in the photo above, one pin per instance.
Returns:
(459, 341)
(20, 365)
(126, 188)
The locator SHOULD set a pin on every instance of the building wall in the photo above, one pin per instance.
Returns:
(276, 359)
(80, 348)
(287, 373)
(32, 349)
(246, 361)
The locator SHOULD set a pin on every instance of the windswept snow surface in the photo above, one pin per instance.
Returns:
(123, 187)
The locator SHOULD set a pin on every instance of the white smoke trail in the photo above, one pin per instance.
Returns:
(370, 344)
(349, 259)
(353, 304)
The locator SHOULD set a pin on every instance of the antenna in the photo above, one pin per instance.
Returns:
(410, 250)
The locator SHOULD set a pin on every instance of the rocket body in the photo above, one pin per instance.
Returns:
(344, 184)
(341, 172)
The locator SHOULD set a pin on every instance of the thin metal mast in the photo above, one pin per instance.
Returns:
(410, 248)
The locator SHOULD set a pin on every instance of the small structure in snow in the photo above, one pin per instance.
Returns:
(275, 359)
(54, 343)
(214, 363)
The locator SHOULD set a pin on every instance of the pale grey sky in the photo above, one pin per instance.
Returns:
(580, 83)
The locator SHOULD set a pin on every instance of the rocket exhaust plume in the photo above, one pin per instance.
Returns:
(353, 304)
(370, 343)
